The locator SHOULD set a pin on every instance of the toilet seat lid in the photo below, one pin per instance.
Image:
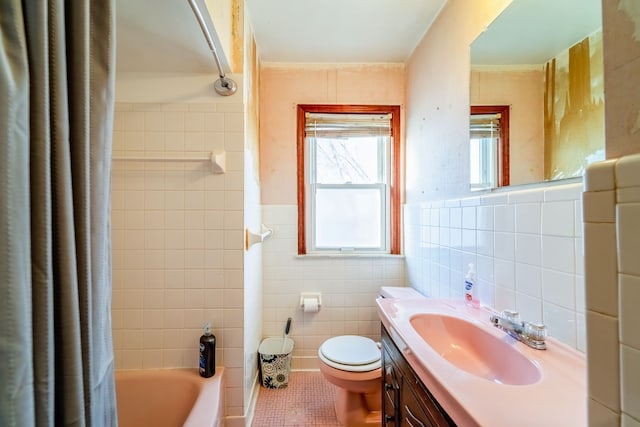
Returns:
(351, 350)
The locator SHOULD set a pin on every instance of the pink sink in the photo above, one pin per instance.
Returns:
(469, 347)
(479, 374)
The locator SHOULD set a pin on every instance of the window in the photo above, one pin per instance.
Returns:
(489, 147)
(348, 176)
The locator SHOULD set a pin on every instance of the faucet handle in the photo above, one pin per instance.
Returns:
(511, 315)
(536, 331)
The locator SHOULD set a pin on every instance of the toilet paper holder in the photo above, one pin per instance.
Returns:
(310, 295)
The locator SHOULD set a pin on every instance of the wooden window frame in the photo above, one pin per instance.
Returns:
(394, 184)
(503, 146)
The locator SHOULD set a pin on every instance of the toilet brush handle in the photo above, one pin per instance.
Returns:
(286, 329)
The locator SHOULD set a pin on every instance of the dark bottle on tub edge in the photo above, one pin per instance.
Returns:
(207, 363)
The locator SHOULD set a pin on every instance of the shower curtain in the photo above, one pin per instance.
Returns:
(56, 113)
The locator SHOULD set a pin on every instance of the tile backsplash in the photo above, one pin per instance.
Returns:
(526, 246)
(177, 238)
(612, 229)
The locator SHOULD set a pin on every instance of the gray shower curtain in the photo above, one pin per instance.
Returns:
(56, 114)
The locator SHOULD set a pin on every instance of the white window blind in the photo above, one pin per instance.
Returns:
(332, 125)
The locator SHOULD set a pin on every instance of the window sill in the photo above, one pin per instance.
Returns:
(336, 255)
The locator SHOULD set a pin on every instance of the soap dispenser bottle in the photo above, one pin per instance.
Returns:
(471, 287)
(207, 364)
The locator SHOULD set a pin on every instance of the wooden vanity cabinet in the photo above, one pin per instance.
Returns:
(405, 399)
(390, 392)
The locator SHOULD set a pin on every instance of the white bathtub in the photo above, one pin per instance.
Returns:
(169, 398)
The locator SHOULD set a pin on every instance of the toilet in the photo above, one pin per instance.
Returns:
(352, 363)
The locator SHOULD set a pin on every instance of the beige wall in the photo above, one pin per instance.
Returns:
(437, 112)
(522, 90)
(574, 131)
(283, 87)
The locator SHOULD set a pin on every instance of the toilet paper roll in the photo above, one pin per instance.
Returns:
(310, 305)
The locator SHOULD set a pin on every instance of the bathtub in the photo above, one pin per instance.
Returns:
(169, 398)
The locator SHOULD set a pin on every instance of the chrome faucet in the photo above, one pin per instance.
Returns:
(532, 334)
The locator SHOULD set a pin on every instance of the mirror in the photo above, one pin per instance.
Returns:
(542, 60)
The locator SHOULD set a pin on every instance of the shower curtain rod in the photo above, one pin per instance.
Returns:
(224, 85)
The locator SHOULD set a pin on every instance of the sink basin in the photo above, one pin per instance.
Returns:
(471, 348)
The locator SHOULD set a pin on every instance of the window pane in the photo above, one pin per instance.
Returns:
(354, 160)
(485, 139)
(476, 162)
(483, 158)
(348, 218)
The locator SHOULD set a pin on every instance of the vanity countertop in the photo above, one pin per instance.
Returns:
(557, 398)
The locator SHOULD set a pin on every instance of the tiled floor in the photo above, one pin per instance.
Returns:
(307, 401)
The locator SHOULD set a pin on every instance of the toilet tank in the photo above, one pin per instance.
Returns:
(404, 292)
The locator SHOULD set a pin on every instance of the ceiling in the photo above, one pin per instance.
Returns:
(531, 32)
(160, 36)
(339, 31)
(163, 35)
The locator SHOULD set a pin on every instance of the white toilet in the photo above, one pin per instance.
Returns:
(352, 363)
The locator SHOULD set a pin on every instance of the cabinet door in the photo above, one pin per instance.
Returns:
(390, 389)
(411, 412)
(407, 402)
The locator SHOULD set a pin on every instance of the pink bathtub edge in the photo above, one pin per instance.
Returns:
(170, 397)
(203, 414)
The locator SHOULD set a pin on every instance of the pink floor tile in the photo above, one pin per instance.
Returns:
(307, 401)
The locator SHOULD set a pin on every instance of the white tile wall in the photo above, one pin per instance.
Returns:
(630, 385)
(178, 238)
(349, 287)
(627, 421)
(600, 415)
(527, 246)
(613, 290)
